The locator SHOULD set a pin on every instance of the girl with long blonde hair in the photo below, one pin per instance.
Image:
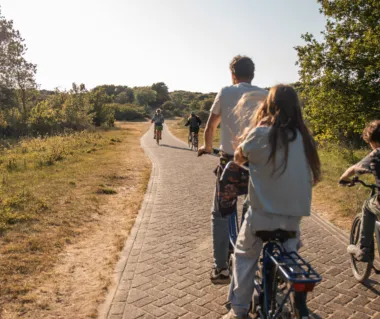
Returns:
(283, 164)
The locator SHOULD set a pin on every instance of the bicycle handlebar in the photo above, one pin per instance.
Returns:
(356, 180)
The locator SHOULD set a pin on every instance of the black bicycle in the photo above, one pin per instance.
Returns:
(193, 141)
(362, 270)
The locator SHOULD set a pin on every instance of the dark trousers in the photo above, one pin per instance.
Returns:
(370, 213)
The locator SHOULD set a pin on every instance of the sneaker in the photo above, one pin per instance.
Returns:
(220, 276)
(232, 315)
(359, 254)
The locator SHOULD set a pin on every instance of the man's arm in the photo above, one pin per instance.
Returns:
(187, 123)
(211, 126)
(348, 173)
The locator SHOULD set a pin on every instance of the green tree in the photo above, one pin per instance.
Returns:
(77, 109)
(206, 104)
(15, 72)
(162, 93)
(145, 96)
(102, 113)
(340, 76)
(125, 97)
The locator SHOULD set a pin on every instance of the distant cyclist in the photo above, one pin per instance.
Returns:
(158, 120)
(194, 123)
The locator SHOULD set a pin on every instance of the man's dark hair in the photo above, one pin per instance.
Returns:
(243, 67)
(371, 132)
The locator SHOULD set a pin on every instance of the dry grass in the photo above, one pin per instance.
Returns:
(66, 207)
(337, 204)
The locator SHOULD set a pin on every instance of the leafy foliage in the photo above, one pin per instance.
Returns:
(340, 76)
(162, 93)
(129, 112)
(184, 102)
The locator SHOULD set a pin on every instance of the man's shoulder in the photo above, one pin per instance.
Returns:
(244, 89)
(259, 89)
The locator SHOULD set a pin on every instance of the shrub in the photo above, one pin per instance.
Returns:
(128, 112)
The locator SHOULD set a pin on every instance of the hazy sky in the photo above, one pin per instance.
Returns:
(187, 44)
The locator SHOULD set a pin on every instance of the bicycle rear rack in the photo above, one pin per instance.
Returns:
(294, 268)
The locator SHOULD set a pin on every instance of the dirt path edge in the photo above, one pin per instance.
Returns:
(105, 307)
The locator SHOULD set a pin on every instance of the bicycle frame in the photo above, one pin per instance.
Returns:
(373, 188)
(292, 268)
(377, 234)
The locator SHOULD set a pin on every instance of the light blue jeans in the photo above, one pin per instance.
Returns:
(220, 236)
(247, 254)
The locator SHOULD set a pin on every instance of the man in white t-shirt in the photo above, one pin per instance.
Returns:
(242, 70)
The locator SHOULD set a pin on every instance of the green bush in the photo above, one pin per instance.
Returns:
(128, 112)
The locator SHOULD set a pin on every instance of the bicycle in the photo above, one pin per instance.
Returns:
(283, 279)
(193, 141)
(362, 270)
(159, 128)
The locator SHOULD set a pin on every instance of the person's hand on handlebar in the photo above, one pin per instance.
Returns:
(345, 179)
(239, 158)
(204, 150)
(345, 182)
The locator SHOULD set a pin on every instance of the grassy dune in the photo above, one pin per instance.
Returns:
(56, 192)
(337, 204)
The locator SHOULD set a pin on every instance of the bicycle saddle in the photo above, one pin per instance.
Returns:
(279, 235)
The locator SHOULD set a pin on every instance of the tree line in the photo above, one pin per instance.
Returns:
(339, 84)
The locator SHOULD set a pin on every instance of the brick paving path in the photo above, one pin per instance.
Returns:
(164, 268)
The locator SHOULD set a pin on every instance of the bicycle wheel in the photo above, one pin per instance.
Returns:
(293, 307)
(158, 137)
(360, 269)
(195, 142)
(298, 307)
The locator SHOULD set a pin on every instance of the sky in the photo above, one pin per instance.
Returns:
(188, 44)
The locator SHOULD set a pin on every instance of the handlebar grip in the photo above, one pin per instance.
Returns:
(344, 182)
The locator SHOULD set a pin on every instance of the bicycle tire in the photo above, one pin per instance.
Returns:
(295, 307)
(361, 270)
(298, 301)
(195, 142)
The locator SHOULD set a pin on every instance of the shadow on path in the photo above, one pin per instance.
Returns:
(370, 284)
(179, 148)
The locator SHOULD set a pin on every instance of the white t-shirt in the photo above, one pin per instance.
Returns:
(287, 194)
(224, 103)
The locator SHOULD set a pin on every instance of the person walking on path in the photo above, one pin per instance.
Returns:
(222, 112)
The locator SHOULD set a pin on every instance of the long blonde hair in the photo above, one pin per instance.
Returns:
(246, 108)
(282, 112)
